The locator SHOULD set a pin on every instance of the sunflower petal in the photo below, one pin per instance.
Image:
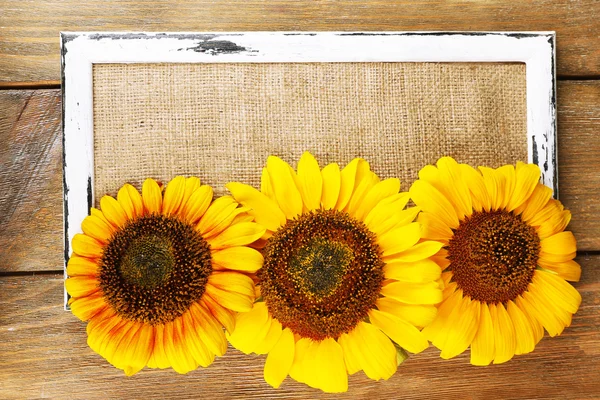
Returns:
(535, 203)
(430, 200)
(555, 224)
(561, 243)
(504, 334)
(194, 343)
(237, 235)
(413, 293)
(219, 210)
(482, 347)
(568, 270)
(97, 228)
(376, 194)
(527, 177)
(208, 329)
(561, 293)
(374, 351)
(152, 196)
(270, 339)
(197, 204)
(455, 186)
(310, 180)
(87, 307)
(131, 201)
(239, 258)
(264, 210)
(284, 187)
(231, 300)
(525, 339)
(400, 331)
(81, 286)
(280, 358)
(462, 330)
(399, 239)
(81, 266)
(331, 178)
(347, 182)
(416, 314)
(251, 328)
(221, 314)
(330, 367)
(479, 194)
(419, 271)
(418, 252)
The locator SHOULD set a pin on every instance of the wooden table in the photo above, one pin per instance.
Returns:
(43, 351)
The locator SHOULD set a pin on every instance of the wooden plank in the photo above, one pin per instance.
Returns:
(31, 152)
(29, 46)
(31, 228)
(44, 354)
(579, 158)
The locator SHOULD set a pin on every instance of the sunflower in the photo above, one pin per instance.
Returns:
(159, 276)
(506, 259)
(346, 282)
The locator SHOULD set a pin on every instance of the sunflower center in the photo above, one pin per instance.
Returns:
(147, 262)
(493, 256)
(322, 274)
(154, 268)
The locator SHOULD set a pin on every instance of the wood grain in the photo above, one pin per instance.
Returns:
(31, 227)
(31, 153)
(44, 354)
(29, 44)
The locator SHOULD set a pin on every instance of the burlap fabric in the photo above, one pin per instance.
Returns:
(220, 121)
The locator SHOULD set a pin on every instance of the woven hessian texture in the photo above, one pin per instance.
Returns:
(220, 121)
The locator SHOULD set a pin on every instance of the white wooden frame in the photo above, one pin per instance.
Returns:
(81, 50)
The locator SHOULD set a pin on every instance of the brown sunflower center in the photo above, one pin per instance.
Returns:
(154, 268)
(322, 274)
(493, 256)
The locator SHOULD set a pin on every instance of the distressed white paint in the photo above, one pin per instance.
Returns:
(82, 50)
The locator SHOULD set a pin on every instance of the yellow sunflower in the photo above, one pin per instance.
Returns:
(505, 258)
(158, 276)
(345, 277)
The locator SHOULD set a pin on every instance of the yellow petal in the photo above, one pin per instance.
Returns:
(97, 228)
(80, 286)
(362, 187)
(139, 350)
(542, 312)
(347, 183)
(87, 307)
(375, 195)
(232, 300)
(536, 326)
(121, 356)
(435, 332)
(430, 200)
(399, 239)
(373, 349)
(279, 360)
(131, 201)
(284, 187)
(455, 186)
(208, 329)
(303, 352)
(265, 185)
(389, 214)
(482, 347)
(220, 209)
(479, 195)
(418, 252)
(331, 186)
(237, 235)
(221, 314)
(434, 229)
(557, 290)
(152, 196)
(555, 224)
(350, 358)
(400, 331)
(413, 293)
(227, 221)
(113, 211)
(416, 314)
(194, 343)
(561, 243)
(173, 195)
(197, 204)
(158, 352)
(81, 266)
(238, 258)
(568, 270)
(527, 178)
(504, 334)
(462, 331)
(86, 246)
(330, 367)
(419, 271)
(185, 362)
(525, 339)
(551, 208)
(251, 328)
(270, 339)
(232, 281)
(264, 210)
(191, 185)
(311, 181)
(537, 201)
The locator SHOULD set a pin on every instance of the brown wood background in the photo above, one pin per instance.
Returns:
(43, 352)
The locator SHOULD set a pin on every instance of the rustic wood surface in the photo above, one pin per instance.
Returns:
(29, 49)
(43, 353)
